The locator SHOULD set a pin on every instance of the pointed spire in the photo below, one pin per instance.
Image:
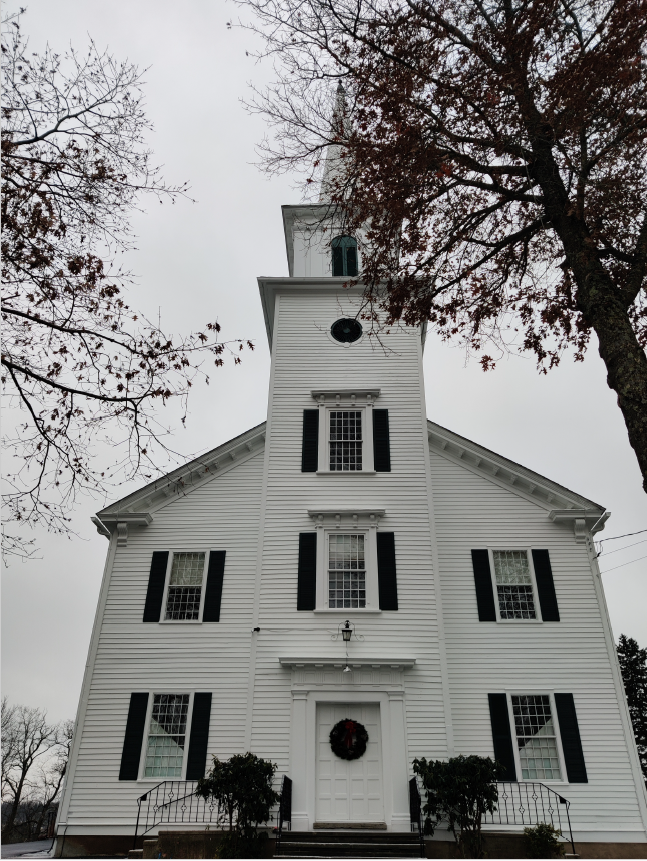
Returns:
(339, 123)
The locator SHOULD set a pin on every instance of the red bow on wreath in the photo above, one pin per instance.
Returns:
(351, 728)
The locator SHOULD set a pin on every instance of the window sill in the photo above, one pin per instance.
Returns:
(180, 621)
(346, 472)
(520, 621)
(546, 781)
(360, 611)
(156, 780)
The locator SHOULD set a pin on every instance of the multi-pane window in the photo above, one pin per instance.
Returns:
(167, 735)
(536, 738)
(514, 584)
(185, 586)
(345, 440)
(346, 571)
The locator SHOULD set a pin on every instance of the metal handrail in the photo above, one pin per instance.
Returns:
(415, 813)
(162, 803)
(530, 803)
(524, 803)
(285, 810)
(175, 801)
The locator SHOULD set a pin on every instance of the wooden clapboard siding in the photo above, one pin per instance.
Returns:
(567, 656)
(305, 359)
(469, 512)
(132, 656)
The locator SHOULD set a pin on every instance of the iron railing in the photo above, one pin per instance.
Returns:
(415, 814)
(529, 804)
(285, 811)
(173, 802)
(520, 804)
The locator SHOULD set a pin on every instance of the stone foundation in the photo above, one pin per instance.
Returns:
(203, 844)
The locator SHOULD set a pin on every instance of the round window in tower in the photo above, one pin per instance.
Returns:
(346, 330)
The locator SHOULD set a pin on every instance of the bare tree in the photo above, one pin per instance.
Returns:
(34, 758)
(496, 154)
(81, 366)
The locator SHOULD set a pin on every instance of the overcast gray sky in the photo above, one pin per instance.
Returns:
(197, 261)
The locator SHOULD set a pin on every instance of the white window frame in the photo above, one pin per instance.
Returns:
(347, 522)
(366, 417)
(558, 735)
(359, 400)
(149, 711)
(167, 583)
(535, 594)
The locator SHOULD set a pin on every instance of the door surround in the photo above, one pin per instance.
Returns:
(320, 687)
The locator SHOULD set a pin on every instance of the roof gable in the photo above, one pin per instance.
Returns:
(561, 503)
(137, 508)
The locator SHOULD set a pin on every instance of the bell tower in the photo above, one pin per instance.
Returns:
(346, 534)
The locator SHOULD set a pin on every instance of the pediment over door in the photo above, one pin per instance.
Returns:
(363, 674)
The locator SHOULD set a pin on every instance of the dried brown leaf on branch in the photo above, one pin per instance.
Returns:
(494, 153)
(83, 368)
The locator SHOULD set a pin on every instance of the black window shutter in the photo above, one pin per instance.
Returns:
(307, 572)
(351, 260)
(545, 586)
(213, 593)
(571, 741)
(386, 575)
(338, 260)
(135, 725)
(196, 760)
(381, 441)
(501, 735)
(483, 585)
(155, 592)
(310, 442)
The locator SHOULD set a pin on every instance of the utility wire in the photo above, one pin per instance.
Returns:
(623, 564)
(635, 544)
(626, 535)
(615, 537)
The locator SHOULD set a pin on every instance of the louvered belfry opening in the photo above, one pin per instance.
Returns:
(344, 256)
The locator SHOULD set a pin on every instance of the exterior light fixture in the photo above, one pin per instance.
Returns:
(347, 629)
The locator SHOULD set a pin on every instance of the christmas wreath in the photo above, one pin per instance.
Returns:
(348, 739)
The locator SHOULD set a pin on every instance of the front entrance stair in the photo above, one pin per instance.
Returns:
(348, 844)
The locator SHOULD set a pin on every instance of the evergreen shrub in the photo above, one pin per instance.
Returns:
(242, 789)
(543, 841)
(459, 792)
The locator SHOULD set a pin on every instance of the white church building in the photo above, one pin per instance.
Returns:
(469, 582)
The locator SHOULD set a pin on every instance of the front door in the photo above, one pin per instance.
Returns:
(349, 790)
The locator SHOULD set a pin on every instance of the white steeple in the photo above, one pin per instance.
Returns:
(340, 127)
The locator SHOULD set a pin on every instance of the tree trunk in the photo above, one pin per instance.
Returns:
(17, 794)
(626, 365)
(598, 298)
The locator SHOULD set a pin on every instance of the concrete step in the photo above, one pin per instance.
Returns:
(332, 850)
(349, 836)
(350, 850)
(348, 844)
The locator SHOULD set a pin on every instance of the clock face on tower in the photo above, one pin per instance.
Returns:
(346, 331)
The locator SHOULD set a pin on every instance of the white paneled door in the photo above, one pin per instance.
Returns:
(349, 790)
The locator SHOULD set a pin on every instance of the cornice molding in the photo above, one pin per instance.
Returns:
(583, 520)
(327, 395)
(391, 663)
(349, 518)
